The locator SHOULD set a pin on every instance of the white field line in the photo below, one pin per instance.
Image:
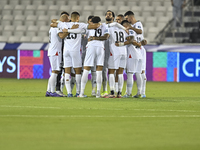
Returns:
(30, 107)
(89, 116)
(100, 109)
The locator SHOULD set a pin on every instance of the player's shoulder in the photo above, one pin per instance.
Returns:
(138, 24)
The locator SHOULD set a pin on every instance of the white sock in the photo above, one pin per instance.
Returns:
(144, 78)
(67, 83)
(84, 80)
(62, 83)
(94, 82)
(105, 79)
(72, 83)
(52, 82)
(139, 82)
(99, 80)
(78, 83)
(120, 82)
(116, 86)
(49, 86)
(112, 82)
(129, 83)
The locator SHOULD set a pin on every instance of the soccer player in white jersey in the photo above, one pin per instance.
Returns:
(93, 69)
(72, 56)
(54, 52)
(134, 60)
(119, 20)
(138, 28)
(94, 56)
(109, 16)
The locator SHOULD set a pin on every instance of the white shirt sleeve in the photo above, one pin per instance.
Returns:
(59, 30)
(62, 25)
(117, 25)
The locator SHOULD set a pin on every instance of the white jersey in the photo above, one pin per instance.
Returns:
(97, 33)
(73, 40)
(55, 42)
(132, 51)
(116, 35)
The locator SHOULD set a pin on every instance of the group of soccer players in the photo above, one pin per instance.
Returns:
(110, 47)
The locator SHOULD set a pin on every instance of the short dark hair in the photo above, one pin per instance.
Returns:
(64, 12)
(90, 17)
(96, 19)
(113, 14)
(128, 13)
(120, 15)
(124, 21)
(75, 13)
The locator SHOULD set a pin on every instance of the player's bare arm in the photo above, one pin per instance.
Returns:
(64, 34)
(101, 38)
(138, 31)
(54, 24)
(94, 25)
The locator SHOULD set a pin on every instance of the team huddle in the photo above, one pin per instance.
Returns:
(107, 48)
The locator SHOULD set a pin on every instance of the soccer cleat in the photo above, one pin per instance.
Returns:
(109, 96)
(55, 95)
(137, 96)
(82, 95)
(105, 93)
(119, 95)
(69, 95)
(76, 95)
(98, 95)
(143, 96)
(127, 96)
(61, 93)
(47, 94)
(93, 93)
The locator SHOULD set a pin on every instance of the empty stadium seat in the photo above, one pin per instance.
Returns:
(44, 28)
(7, 33)
(14, 2)
(8, 7)
(6, 12)
(60, 2)
(25, 2)
(95, 3)
(49, 2)
(3, 2)
(40, 12)
(13, 39)
(108, 3)
(53, 7)
(84, 3)
(86, 8)
(19, 33)
(18, 22)
(36, 39)
(77, 8)
(21, 28)
(43, 33)
(25, 39)
(37, 2)
(30, 33)
(19, 7)
(65, 8)
(32, 28)
(9, 28)
(46, 39)
(72, 2)
(18, 12)
(119, 3)
(3, 38)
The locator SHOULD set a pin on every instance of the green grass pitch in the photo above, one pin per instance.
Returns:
(169, 119)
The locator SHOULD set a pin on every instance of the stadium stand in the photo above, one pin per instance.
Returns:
(154, 14)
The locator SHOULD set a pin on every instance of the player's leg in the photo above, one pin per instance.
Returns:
(54, 61)
(99, 62)
(120, 82)
(139, 79)
(99, 80)
(88, 63)
(73, 79)
(77, 65)
(122, 65)
(93, 81)
(84, 80)
(112, 83)
(144, 80)
(116, 81)
(105, 80)
(67, 66)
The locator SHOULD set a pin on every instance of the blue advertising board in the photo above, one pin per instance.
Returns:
(189, 67)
